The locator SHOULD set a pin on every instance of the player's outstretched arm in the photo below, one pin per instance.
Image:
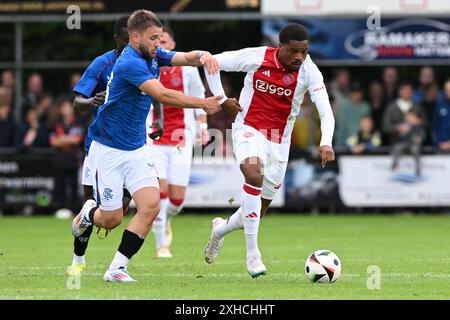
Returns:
(196, 58)
(81, 103)
(175, 98)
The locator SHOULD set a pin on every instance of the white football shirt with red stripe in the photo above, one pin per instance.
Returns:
(272, 94)
(179, 122)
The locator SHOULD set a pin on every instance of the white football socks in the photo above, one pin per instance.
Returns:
(233, 223)
(77, 259)
(174, 207)
(119, 261)
(251, 211)
(159, 224)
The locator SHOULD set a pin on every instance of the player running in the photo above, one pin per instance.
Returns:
(119, 134)
(89, 96)
(276, 80)
(172, 153)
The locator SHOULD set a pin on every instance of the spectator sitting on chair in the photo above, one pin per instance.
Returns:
(367, 137)
(411, 138)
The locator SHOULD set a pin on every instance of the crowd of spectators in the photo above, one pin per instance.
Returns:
(45, 122)
(400, 114)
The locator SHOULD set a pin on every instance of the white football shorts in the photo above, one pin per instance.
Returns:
(88, 172)
(118, 169)
(249, 142)
(173, 163)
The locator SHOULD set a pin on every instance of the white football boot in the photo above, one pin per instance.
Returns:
(255, 266)
(81, 223)
(215, 243)
(120, 275)
(163, 252)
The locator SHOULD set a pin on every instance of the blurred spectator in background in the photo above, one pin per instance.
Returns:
(348, 115)
(429, 105)
(35, 90)
(367, 138)
(32, 133)
(340, 88)
(42, 108)
(67, 138)
(377, 102)
(8, 80)
(441, 120)
(394, 125)
(222, 120)
(390, 79)
(306, 132)
(411, 138)
(7, 123)
(74, 78)
(427, 78)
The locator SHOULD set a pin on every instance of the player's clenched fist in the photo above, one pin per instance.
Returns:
(99, 99)
(231, 105)
(211, 104)
(327, 154)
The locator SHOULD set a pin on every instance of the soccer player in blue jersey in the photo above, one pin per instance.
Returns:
(119, 134)
(89, 96)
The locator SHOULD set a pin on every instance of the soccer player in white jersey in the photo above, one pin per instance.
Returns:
(276, 80)
(119, 134)
(172, 152)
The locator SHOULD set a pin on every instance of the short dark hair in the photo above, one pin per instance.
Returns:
(293, 31)
(143, 19)
(404, 83)
(169, 31)
(120, 24)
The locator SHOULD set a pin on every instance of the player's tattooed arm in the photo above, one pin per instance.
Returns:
(158, 123)
(81, 103)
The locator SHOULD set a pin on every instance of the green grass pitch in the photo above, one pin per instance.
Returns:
(413, 253)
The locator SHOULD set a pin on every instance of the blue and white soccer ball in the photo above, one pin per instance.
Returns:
(323, 266)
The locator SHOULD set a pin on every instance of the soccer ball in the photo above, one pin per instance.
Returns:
(63, 214)
(323, 266)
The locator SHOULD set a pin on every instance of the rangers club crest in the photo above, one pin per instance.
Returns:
(288, 79)
(107, 194)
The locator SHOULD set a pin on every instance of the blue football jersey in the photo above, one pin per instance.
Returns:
(121, 121)
(94, 80)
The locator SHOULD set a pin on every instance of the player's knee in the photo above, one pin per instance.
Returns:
(148, 213)
(110, 221)
(253, 174)
(254, 178)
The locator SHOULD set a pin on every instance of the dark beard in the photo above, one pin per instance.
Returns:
(145, 52)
